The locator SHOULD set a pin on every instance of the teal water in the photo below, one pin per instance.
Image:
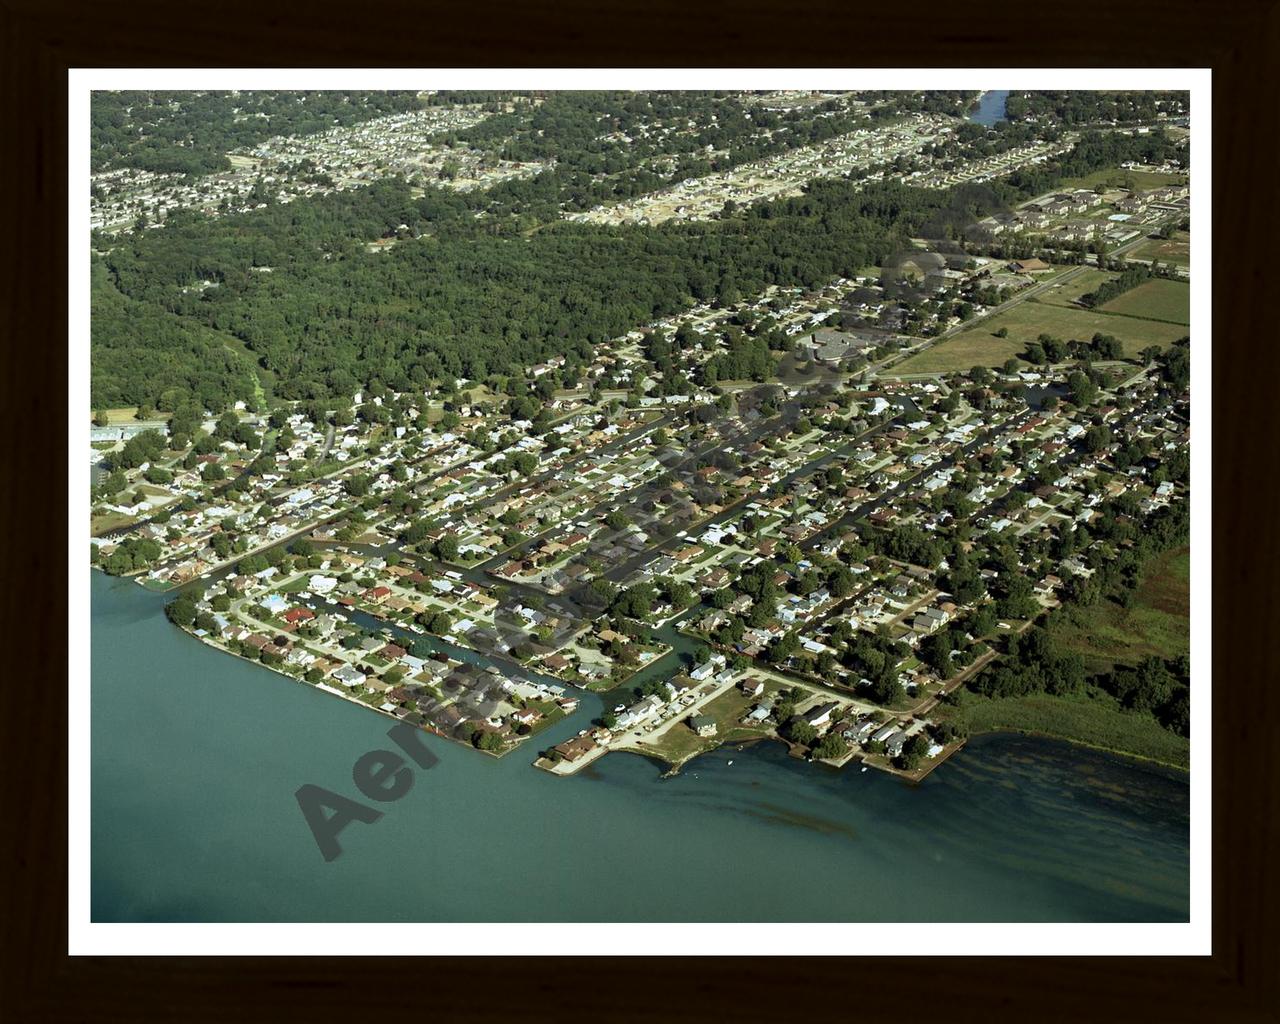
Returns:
(196, 757)
(990, 109)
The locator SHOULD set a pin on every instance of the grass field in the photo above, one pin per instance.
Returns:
(1105, 634)
(1066, 294)
(1117, 177)
(977, 345)
(1159, 299)
(974, 347)
(127, 414)
(1093, 718)
(1176, 250)
(108, 521)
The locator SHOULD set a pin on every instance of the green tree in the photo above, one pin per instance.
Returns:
(181, 610)
(490, 741)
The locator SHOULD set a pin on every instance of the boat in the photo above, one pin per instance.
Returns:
(864, 767)
(730, 763)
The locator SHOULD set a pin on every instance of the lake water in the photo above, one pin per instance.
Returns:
(196, 756)
(990, 108)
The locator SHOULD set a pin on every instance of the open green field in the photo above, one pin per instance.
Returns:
(1092, 718)
(978, 346)
(108, 521)
(1067, 293)
(1119, 178)
(1158, 300)
(974, 347)
(127, 414)
(1158, 623)
(1175, 250)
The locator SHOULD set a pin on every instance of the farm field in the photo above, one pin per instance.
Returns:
(1157, 300)
(1176, 250)
(977, 345)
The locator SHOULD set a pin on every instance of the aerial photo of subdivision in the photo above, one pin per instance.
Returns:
(735, 506)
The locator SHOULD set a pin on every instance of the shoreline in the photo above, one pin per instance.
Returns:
(335, 692)
(671, 769)
(1111, 751)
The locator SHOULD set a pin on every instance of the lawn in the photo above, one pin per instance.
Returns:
(1175, 250)
(108, 521)
(1158, 300)
(1066, 294)
(978, 346)
(128, 414)
(681, 742)
(677, 744)
(1093, 718)
(1158, 623)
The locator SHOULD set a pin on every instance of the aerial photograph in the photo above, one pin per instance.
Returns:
(639, 506)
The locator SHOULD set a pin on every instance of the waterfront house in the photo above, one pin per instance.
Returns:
(821, 714)
(349, 676)
(576, 748)
(703, 725)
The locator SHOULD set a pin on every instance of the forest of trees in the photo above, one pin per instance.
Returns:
(458, 302)
(184, 308)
